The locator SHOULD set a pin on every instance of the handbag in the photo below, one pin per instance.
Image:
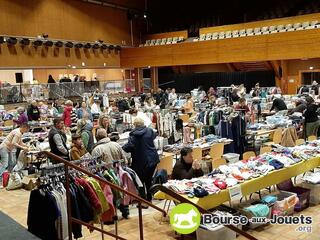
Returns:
(15, 181)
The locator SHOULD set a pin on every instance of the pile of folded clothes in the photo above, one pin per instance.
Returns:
(232, 174)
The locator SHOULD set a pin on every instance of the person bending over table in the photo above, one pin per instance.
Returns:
(186, 168)
(9, 147)
(278, 105)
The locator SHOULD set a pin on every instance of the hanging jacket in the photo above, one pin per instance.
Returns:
(127, 184)
(142, 149)
(67, 116)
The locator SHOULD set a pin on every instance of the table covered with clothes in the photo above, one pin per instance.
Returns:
(251, 177)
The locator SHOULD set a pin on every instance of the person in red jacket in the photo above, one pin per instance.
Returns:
(67, 113)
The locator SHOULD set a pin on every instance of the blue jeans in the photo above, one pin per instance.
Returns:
(8, 160)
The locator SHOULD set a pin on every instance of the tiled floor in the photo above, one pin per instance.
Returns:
(15, 204)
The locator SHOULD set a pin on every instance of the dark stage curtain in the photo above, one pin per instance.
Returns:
(185, 82)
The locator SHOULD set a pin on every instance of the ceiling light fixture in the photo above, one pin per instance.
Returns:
(25, 41)
(48, 43)
(12, 40)
(69, 45)
(58, 44)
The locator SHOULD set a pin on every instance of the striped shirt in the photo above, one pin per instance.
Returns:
(15, 136)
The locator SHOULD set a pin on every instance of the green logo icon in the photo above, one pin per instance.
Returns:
(185, 218)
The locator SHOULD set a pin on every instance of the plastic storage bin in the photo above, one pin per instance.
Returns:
(249, 215)
(302, 193)
(285, 204)
(231, 157)
(215, 232)
(314, 192)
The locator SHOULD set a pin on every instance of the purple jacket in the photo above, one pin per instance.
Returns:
(21, 119)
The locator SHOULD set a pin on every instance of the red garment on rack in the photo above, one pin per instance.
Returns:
(90, 193)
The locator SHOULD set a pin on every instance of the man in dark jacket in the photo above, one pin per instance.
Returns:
(143, 152)
(33, 111)
(186, 168)
(58, 139)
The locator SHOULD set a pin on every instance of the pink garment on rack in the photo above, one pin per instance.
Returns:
(127, 184)
(108, 215)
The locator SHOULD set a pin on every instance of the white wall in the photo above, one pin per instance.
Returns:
(9, 75)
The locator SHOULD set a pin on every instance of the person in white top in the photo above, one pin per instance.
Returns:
(9, 147)
(173, 97)
(95, 109)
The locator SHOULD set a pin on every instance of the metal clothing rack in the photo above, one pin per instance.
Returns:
(66, 165)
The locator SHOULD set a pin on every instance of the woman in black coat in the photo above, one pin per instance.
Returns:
(143, 152)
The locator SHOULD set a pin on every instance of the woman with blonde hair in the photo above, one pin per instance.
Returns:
(105, 123)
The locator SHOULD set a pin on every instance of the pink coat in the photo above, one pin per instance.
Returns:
(108, 215)
(127, 184)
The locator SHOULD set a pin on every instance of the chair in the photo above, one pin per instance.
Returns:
(300, 142)
(203, 37)
(313, 24)
(273, 29)
(280, 28)
(265, 30)
(158, 41)
(152, 42)
(265, 150)
(242, 33)
(276, 138)
(180, 39)
(248, 155)
(216, 151)
(297, 26)
(163, 41)
(221, 35)
(305, 25)
(197, 153)
(312, 138)
(166, 163)
(215, 36)
(249, 32)
(257, 31)
(208, 36)
(228, 34)
(235, 33)
(169, 41)
(184, 118)
(289, 27)
(218, 162)
(174, 40)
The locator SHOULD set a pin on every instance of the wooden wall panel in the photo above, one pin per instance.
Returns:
(65, 19)
(183, 33)
(287, 45)
(31, 57)
(277, 21)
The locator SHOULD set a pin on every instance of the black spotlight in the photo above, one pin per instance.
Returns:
(95, 46)
(69, 45)
(37, 43)
(87, 45)
(78, 45)
(48, 43)
(2, 40)
(111, 47)
(58, 44)
(25, 41)
(12, 40)
(117, 47)
(104, 46)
